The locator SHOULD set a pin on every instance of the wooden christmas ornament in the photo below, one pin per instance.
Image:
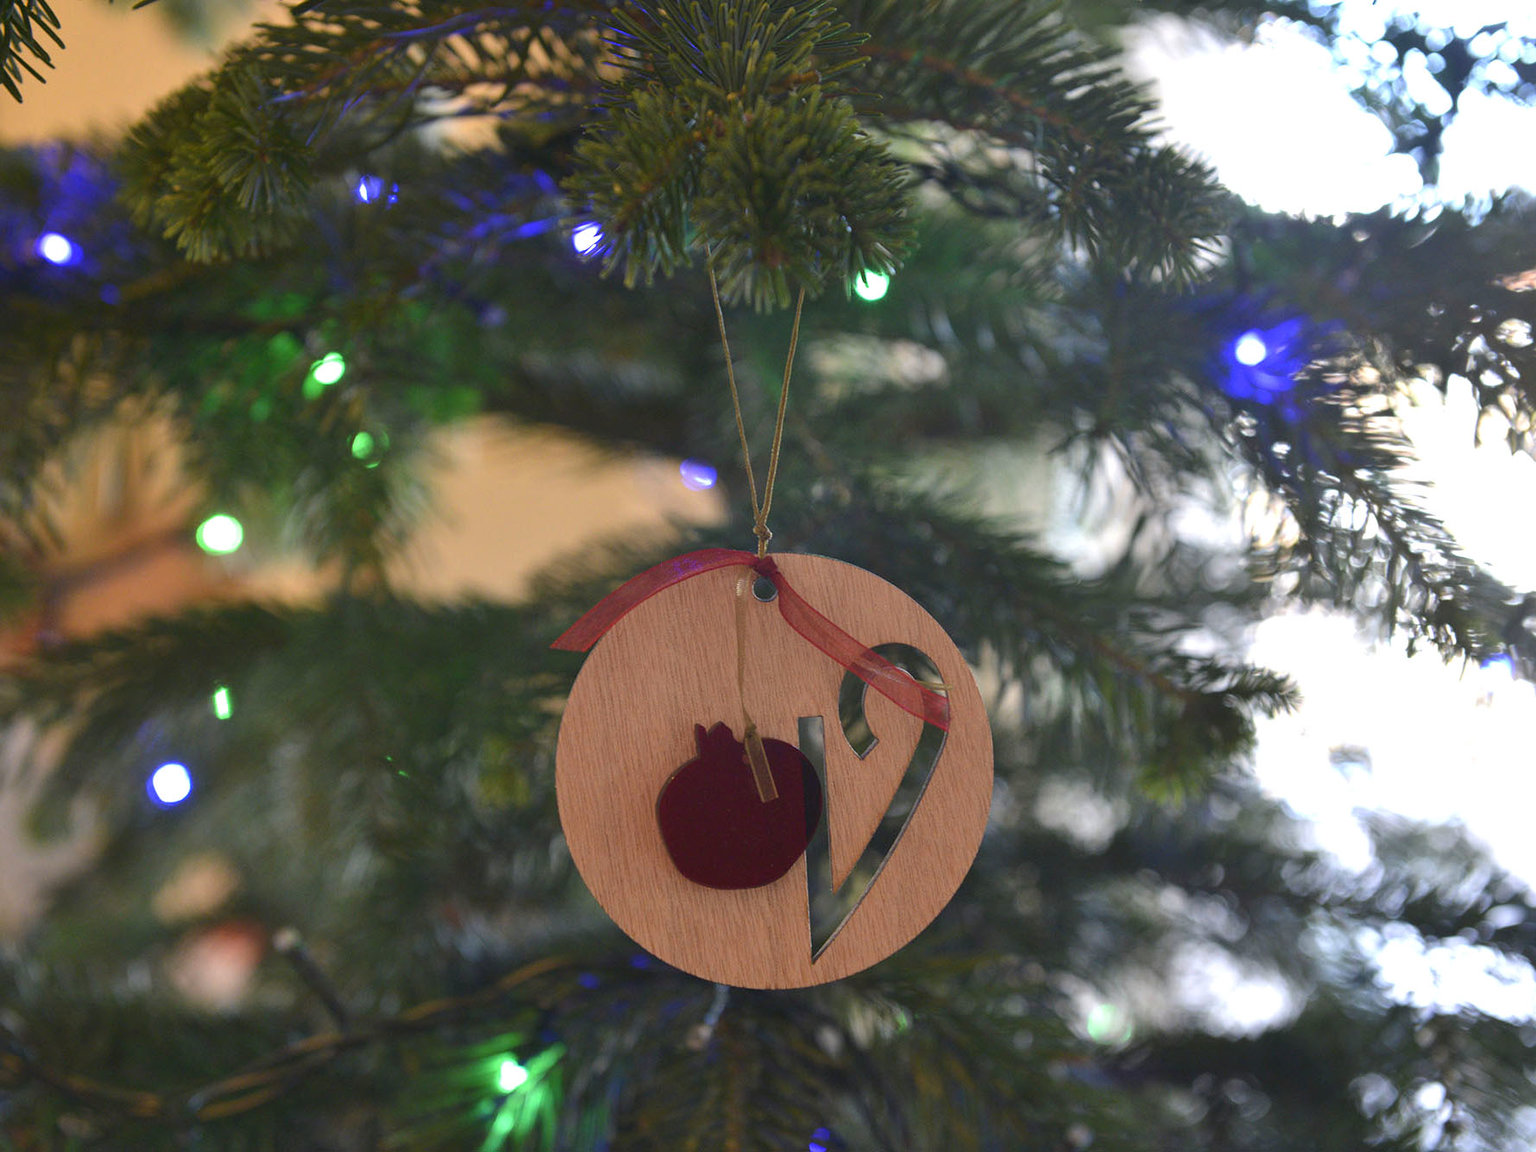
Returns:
(703, 747)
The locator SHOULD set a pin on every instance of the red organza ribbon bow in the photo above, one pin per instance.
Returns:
(880, 674)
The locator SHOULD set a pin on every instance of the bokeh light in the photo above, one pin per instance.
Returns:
(697, 475)
(222, 704)
(220, 534)
(1261, 363)
(1250, 349)
(586, 237)
(511, 1075)
(372, 190)
(56, 248)
(872, 286)
(328, 369)
(1107, 1024)
(170, 784)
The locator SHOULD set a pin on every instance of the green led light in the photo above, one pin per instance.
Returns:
(323, 373)
(1106, 1024)
(871, 286)
(329, 368)
(220, 535)
(511, 1075)
(362, 445)
(223, 706)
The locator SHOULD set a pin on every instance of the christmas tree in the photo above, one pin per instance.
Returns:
(296, 281)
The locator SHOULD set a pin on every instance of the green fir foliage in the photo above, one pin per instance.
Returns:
(1066, 289)
(730, 129)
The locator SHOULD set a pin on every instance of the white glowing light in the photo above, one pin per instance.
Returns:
(170, 784)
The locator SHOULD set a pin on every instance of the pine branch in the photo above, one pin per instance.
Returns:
(1015, 74)
(25, 25)
(729, 132)
(267, 1079)
(1434, 299)
(1362, 542)
(227, 167)
(1097, 652)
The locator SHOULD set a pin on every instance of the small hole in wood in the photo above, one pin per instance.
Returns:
(764, 590)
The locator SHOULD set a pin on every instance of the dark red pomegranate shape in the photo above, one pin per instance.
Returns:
(719, 831)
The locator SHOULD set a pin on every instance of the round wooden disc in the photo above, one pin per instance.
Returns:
(669, 665)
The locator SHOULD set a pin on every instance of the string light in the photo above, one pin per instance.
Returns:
(372, 190)
(1262, 363)
(223, 706)
(220, 534)
(819, 1140)
(362, 445)
(1250, 349)
(323, 373)
(586, 237)
(697, 475)
(170, 784)
(1106, 1024)
(871, 286)
(510, 1075)
(56, 248)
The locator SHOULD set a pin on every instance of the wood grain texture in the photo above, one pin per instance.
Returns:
(629, 724)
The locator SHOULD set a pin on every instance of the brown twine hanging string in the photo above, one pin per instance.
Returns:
(761, 508)
(757, 755)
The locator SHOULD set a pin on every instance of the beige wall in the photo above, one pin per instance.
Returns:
(116, 64)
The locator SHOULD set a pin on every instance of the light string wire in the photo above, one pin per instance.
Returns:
(268, 1078)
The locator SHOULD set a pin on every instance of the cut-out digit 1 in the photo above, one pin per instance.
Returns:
(829, 906)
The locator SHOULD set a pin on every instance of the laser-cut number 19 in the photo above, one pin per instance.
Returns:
(903, 809)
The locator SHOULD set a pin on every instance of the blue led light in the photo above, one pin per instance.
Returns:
(1249, 349)
(372, 190)
(586, 237)
(56, 248)
(170, 784)
(697, 475)
(1503, 662)
(1262, 363)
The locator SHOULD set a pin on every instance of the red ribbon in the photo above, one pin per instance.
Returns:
(880, 674)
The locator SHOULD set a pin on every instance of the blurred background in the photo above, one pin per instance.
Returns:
(1395, 778)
